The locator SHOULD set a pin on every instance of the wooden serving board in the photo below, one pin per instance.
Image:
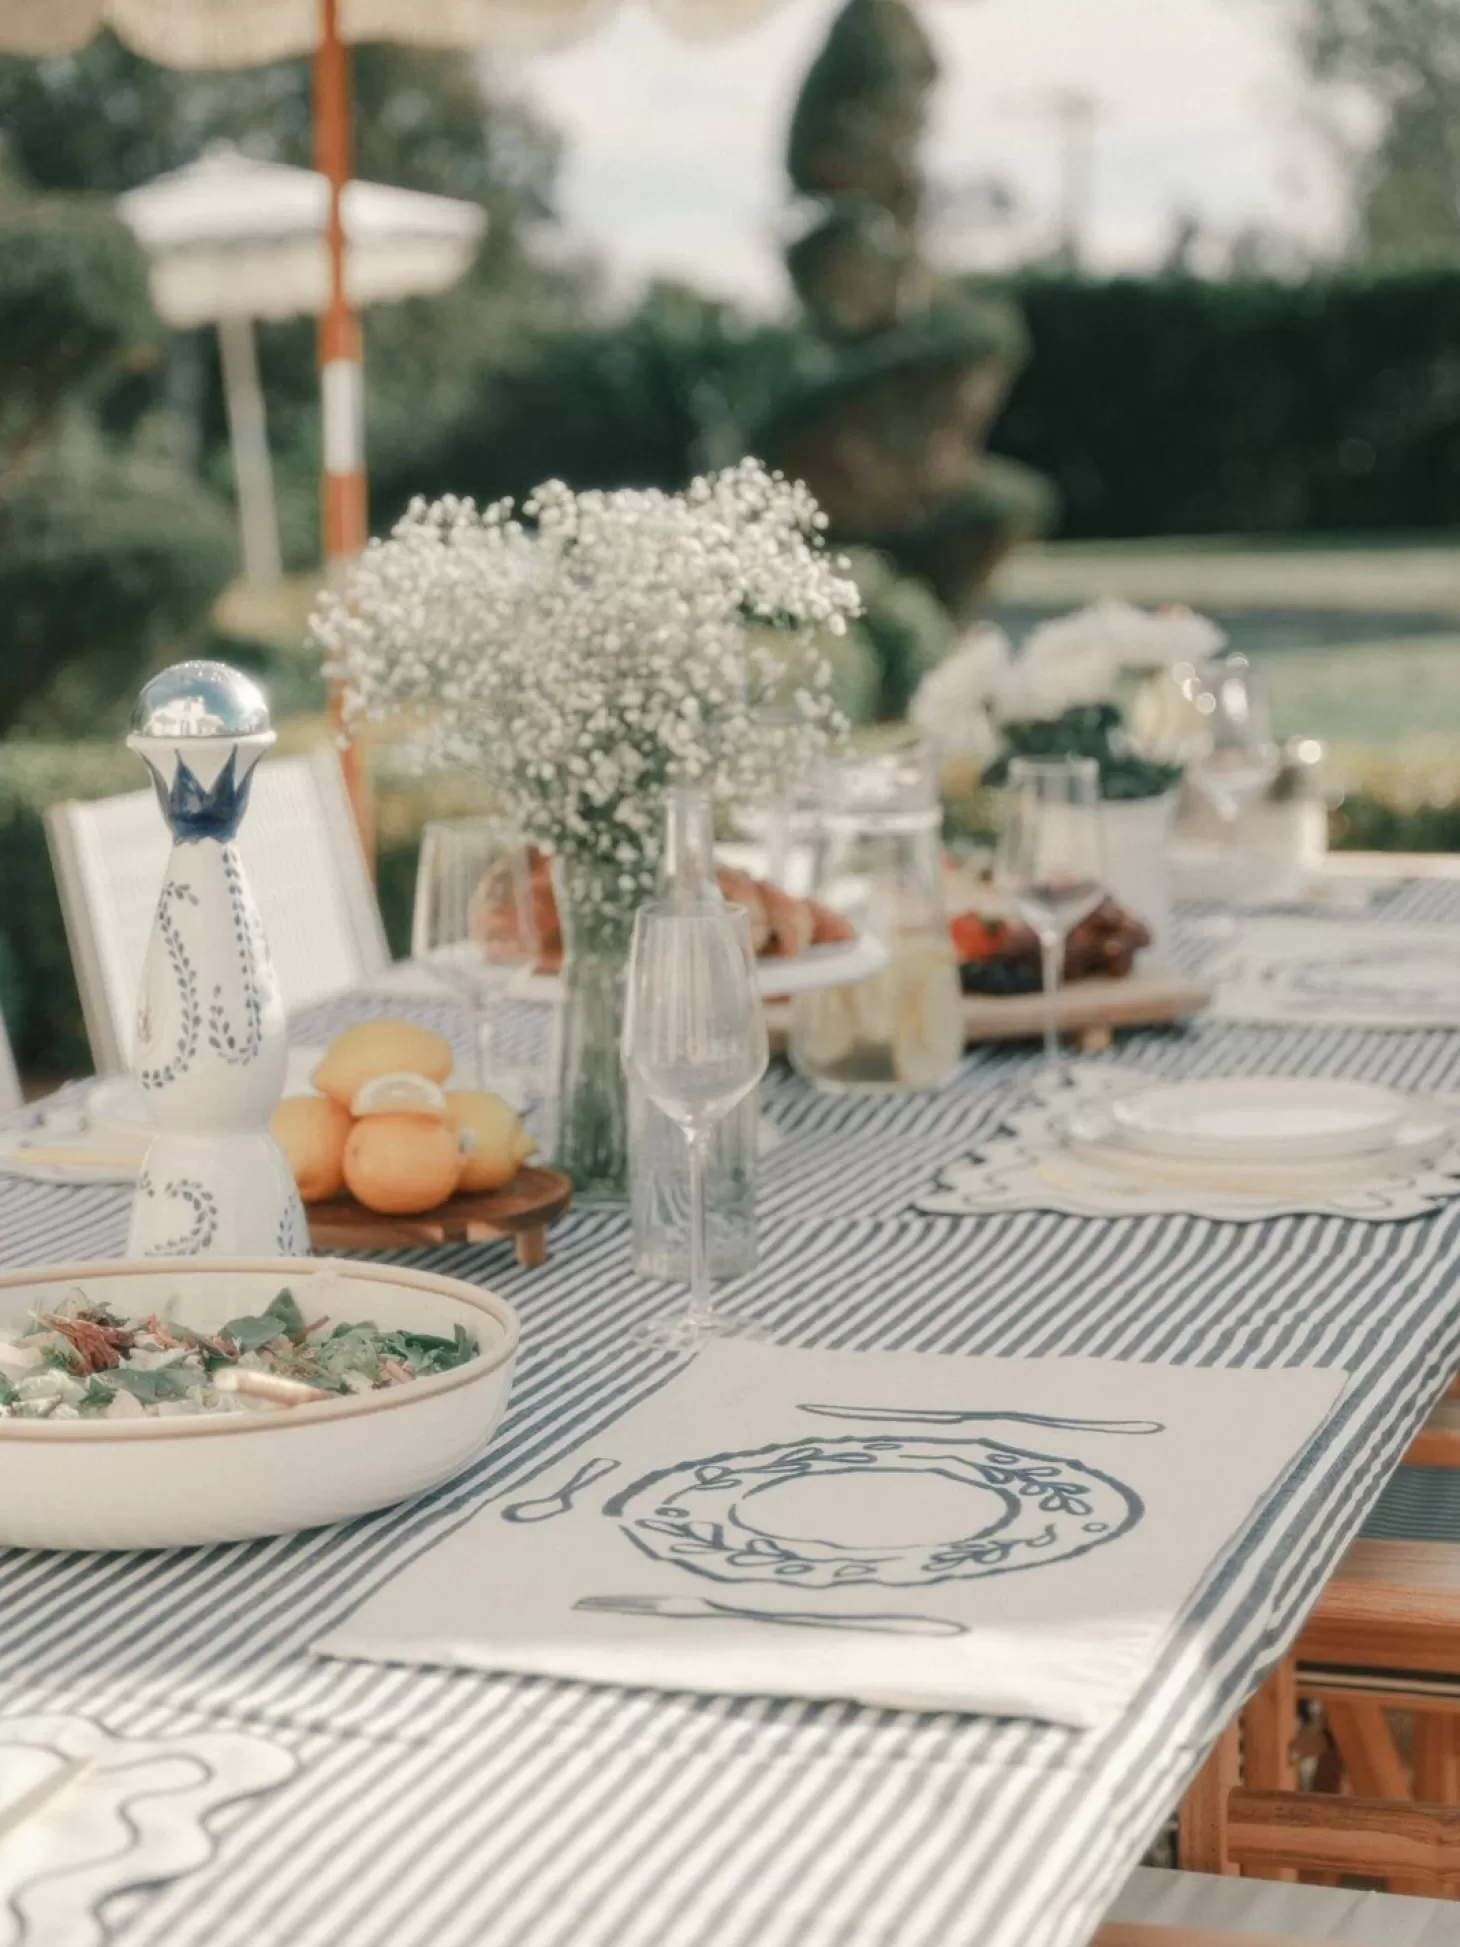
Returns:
(521, 1210)
(1088, 1010)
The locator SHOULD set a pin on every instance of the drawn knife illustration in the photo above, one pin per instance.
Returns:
(951, 1416)
(696, 1608)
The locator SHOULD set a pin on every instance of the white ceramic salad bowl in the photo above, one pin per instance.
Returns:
(199, 1479)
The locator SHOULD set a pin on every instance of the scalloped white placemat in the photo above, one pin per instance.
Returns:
(1028, 1166)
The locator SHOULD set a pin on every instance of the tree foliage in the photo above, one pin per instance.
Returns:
(74, 317)
(1404, 57)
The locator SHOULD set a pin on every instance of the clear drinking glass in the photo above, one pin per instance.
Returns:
(473, 924)
(1050, 860)
(695, 1041)
(1236, 756)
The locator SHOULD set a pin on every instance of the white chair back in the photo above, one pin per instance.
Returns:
(304, 860)
(10, 1096)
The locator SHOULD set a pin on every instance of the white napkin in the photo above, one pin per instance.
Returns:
(102, 1135)
(921, 1546)
(84, 1814)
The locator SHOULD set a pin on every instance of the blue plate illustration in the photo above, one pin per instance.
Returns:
(828, 1513)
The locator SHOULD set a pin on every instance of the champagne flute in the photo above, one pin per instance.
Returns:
(473, 924)
(694, 1038)
(1050, 861)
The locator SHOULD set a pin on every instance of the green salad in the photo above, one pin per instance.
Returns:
(81, 1360)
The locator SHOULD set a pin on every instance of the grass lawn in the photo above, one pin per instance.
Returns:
(1360, 640)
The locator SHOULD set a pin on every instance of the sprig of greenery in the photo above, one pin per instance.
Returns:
(1089, 730)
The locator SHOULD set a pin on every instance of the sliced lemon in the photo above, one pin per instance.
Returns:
(929, 1039)
(825, 1026)
(402, 1093)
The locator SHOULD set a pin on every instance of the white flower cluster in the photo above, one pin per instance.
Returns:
(597, 649)
(1073, 661)
(953, 704)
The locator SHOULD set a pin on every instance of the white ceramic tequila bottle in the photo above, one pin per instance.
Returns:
(210, 1048)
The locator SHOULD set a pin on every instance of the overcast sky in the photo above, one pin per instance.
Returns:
(674, 162)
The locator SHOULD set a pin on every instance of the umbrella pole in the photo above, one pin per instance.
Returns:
(253, 471)
(342, 389)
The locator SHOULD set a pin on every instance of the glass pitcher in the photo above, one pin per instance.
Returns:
(879, 863)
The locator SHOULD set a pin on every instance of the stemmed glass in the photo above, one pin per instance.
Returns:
(473, 923)
(694, 1038)
(1050, 861)
(1235, 755)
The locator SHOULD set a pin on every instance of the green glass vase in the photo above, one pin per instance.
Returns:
(592, 1130)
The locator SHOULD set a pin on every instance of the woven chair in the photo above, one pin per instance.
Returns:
(303, 857)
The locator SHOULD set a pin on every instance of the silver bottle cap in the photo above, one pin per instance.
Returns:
(201, 699)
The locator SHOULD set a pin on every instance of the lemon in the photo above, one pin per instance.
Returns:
(311, 1130)
(825, 1026)
(400, 1094)
(372, 1048)
(492, 1137)
(929, 1038)
(401, 1165)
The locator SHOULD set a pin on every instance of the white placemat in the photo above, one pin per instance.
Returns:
(1029, 1165)
(1011, 1536)
(1315, 973)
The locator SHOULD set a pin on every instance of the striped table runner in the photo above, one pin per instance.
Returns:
(462, 1811)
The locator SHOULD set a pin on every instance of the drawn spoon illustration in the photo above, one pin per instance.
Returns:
(546, 1506)
(698, 1608)
(950, 1416)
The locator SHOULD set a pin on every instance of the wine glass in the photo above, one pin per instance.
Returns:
(694, 1038)
(473, 923)
(1236, 755)
(1050, 861)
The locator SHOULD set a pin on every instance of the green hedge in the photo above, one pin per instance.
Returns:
(1175, 405)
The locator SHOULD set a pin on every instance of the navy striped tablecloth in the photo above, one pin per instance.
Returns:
(454, 1810)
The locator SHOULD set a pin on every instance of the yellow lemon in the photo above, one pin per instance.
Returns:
(372, 1048)
(402, 1164)
(492, 1135)
(312, 1130)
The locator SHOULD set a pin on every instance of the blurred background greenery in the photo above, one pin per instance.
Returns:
(1275, 440)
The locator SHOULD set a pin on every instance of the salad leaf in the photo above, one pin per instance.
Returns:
(280, 1319)
(148, 1385)
(287, 1312)
(97, 1397)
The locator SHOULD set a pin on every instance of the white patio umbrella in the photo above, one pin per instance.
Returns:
(247, 33)
(232, 239)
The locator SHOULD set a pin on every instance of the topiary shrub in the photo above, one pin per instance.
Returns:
(109, 563)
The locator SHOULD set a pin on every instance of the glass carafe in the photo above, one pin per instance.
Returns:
(879, 863)
(658, 1161)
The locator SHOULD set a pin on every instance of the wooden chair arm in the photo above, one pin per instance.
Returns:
(1371, 1837)
(1393, 1605)
(1437, 1444)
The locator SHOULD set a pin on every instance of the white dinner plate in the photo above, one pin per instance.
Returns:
(1426, 1132)
(837, 965)
(1274, 1118)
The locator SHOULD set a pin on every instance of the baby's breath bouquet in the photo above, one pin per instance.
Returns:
(581, 656)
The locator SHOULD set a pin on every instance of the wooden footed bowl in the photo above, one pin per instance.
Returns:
(521, 1211)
